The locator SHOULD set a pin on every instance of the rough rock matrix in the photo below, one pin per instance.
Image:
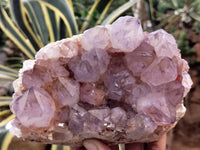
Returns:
(115, 83)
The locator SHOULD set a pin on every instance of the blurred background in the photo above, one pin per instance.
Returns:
(28, 25)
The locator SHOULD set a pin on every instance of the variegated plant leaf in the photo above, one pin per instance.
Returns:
(104, 12)
(5, 138)
(60, 147)
(63, 9)
(17, 36)
(20, 14)
(87, 21)
(118, 12)
(36, 21)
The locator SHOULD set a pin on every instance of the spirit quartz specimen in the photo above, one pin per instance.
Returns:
(115, 83)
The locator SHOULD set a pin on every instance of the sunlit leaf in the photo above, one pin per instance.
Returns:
(4, 103)
(8, 71)
(118, 12)
(6, 77)
(6, 120)
(62, 8)
(5, 98)
(6, 139)
(15, 34)
(60, 147)
(104, 12)
(85, 24)
(36, 21)
(5, 112)
(18, 13)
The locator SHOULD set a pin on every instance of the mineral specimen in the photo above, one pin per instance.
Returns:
(115, 83)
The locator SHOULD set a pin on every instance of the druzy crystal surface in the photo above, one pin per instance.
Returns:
(115, 83)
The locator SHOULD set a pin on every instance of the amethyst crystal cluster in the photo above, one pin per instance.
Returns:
(115, 83)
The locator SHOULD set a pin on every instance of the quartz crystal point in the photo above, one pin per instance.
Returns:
(115, 83)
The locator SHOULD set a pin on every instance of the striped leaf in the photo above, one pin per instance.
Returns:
(118, 12)
(6, 120)
(37, 26)
(88, 18)
(4, 103)
(62, 8)
(18, 12)
(4, 113)
(104, 12)
(8, 73)
(15, 34)
(5, 98)
(71, 5)
(53, 22)
(6, 77)
(5, 139)
(60, 147)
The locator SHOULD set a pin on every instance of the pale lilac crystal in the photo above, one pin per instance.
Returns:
(115, 83)
(91, 38)
(66, 91)
(92, 123)
(66, 48)
(138, 60)
(36, 77)
(140, 126)
(118, 79)
(163, 43)
(35, 108)
(55, 68)
(162, 70)
(119, 118)
(174, 92)
(90, 94)
(76, 122)
(186, 82)
(101, 114)
(90, 66)
(138, 91)
(125, 34)
(156, 107)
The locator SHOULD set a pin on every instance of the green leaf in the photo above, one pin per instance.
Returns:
(70, 4)
(5, 138)
(6, 71)
(88, 18)
(5, 112)
(6, 77)
(4, 103)
(6, 120)
(19, 14)
(5, 98)
(60, 147)
(36, 18)
(9, 28)
(52, 23)
(118, 12)
(175, 3)
(195, 16)
(104, 12)
(62, 8)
